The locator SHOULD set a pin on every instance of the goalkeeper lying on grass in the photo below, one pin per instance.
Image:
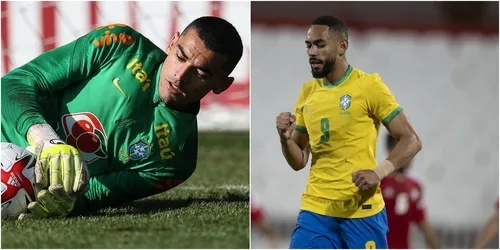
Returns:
(111, 117)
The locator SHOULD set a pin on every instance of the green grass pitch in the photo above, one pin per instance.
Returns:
(210, 210)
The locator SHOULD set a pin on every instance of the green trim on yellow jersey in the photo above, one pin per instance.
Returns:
(391, 116)
(339, 81)
(300, 129)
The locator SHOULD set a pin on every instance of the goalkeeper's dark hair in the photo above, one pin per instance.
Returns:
(219, 36)
(334, 24)
(390, 142)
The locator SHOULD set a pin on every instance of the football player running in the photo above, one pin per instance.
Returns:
(336, 118)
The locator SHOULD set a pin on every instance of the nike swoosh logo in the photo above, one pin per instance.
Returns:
(19, 157)
(117, 85)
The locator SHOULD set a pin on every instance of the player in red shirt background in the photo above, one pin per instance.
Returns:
(404, 204)
(489, 232)
(258, 221)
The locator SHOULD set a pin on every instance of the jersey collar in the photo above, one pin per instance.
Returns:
(156, 94)
(339, 81)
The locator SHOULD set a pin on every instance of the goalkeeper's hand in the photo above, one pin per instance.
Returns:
(59, 169)
(52, 202)
(60, 163)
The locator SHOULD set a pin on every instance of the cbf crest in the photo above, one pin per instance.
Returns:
(345, 103)
(139, 150)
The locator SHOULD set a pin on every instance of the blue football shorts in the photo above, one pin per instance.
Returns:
(318, 231)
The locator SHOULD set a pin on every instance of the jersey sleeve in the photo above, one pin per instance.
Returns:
(381, 103)
(132, 184)
(56, 69)
(300, 125)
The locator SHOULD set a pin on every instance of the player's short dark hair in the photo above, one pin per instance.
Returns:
(219, 36)
(334, 24)
(390, 142)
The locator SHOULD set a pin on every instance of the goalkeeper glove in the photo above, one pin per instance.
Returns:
(59, 169)
(54, 202)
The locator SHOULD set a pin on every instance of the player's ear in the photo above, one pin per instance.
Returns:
(344, 44)
(172, 42)
(223, 85)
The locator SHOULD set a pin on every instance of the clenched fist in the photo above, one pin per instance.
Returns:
(365, 179)
(285, 123)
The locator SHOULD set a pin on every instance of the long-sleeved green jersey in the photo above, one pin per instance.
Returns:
(100, 94)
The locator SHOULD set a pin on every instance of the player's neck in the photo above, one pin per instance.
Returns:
(191, 108)
(338, 71)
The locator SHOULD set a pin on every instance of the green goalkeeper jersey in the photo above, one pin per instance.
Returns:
(100, 94)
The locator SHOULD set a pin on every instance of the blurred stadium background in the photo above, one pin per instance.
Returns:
(440, 60)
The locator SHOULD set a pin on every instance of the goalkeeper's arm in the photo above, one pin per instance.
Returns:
(22, 89)
(52, 72)
(42, 78)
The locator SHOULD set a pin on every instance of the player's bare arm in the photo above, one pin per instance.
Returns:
(430, 235)
(489, 233)
(294, 144)
(409, 144)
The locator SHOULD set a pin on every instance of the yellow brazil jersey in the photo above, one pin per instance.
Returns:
(342, 120)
